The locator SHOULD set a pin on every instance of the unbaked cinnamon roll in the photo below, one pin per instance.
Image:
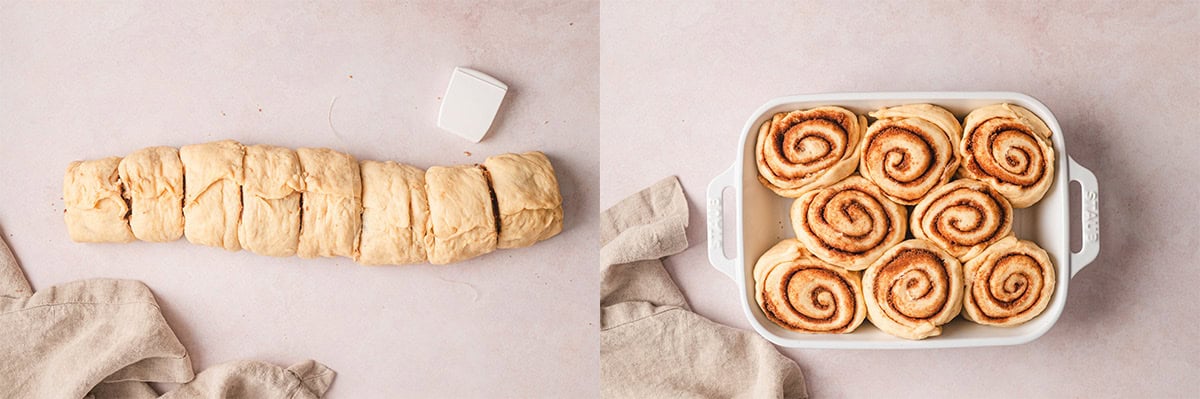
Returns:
(152, 180)
(910, 150)
(1008, 147)
(848, 224)
(213, 174)
(1008, 284)
(963, 218)
(94, 210)
(913, 289)
(809, 149)
(804, 294)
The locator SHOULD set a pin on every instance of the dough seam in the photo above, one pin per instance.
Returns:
(487, 176)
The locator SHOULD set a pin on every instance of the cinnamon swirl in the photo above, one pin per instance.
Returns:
(1008, 147)
(913, 289)
(805, 294)
(910, 150)
(1008, 284)
(848, 224)
(809, 149)
(963, 218)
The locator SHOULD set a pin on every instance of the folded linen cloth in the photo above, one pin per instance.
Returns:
(651, 344)
(105, 338)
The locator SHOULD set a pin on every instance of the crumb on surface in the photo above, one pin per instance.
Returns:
(259, 109)
(351, 76)
(467, 153)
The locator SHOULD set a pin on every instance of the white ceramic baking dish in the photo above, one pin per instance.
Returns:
(762, 220)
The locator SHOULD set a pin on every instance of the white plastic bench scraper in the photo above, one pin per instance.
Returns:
(470, 103)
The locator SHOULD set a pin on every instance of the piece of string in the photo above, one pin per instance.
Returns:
(335, 132)
(474, 291)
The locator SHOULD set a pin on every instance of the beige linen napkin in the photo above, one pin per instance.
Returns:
(105, 338)
(651, 344)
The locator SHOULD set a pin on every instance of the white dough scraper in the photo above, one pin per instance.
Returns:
(470, 103)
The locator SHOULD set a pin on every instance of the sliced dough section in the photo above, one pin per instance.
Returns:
(331, 218)
(527, 198)
(153, 182)
(395, 214)
(95, 211)
(461, 218)
(212, 175)
(270, 222)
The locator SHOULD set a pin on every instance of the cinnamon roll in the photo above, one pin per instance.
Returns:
(804, 294)
(1008, 147)
(1008, 284)
(913, 289)
(805, 150)
(848, 224)
(963, 218)
(910, 150)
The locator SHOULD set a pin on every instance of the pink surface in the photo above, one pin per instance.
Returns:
(1122, 79)
(80, 81)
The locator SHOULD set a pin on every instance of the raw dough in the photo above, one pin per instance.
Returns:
(527, 197)
(212, 175)
(461, 218)
(332, 204)
(95, 211)
(270, 222)
(395, 214)
(153, 182)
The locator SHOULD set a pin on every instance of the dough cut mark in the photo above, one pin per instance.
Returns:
(125, 196)
(492, 193)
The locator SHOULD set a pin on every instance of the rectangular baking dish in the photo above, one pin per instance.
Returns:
(762, 220)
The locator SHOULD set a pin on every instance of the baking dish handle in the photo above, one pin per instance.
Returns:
(716, 232)
(1089, 215)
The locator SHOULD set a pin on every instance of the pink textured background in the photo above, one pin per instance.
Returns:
(1122, 79)
(86, 80)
